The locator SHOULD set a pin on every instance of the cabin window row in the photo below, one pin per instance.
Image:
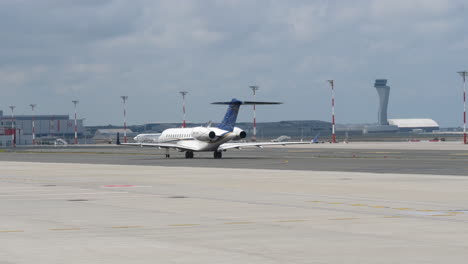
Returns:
(178, 135)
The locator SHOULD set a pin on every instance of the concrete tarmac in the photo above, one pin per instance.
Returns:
(95, 213)
(418, 158)
(323, 203)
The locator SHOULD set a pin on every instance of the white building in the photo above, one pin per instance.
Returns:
(410, 124)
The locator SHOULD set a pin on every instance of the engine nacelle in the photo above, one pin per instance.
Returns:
(203, 134)
(240, 134)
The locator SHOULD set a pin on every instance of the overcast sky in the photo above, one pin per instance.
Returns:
(54, 51)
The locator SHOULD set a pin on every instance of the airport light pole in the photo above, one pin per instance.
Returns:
(183, 93)
(332, 84)
(464, 74)
(75, 102)
(254, 134)
(13, 130)
(33, 124)
(124, 100)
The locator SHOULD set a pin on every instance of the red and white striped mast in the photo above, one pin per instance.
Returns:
(254, 134)
(183, 93)
(75, 102)
(13, 130)
(333, 109)
(33, 124)
(464, 74)
(124, 100)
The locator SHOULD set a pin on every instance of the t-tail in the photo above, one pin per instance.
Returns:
(229, 120)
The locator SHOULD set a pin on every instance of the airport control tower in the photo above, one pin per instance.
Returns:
(384, 92)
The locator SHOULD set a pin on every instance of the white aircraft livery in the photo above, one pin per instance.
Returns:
(197, 139)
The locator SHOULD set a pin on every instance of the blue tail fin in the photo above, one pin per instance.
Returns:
(315, 140)
(230, 118)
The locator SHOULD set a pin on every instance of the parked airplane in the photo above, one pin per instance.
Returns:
(147, 138)
(315, 140)
(216, 139)
(281, 138)
(284, 138)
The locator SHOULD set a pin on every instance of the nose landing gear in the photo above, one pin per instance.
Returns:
(167, 153)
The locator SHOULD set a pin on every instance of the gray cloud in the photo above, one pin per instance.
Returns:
(54, 51)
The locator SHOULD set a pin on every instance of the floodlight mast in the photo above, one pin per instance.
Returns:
(464, 75)
(332, 84)
(13, 129)
(33, 106)
(124, 100)
(183, 93)
(254, 88)
(75, 102)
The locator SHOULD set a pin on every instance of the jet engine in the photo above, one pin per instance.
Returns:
(240, 134)
(203, 134)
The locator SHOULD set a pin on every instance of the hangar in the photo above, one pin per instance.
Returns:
(46, 126)
(410, 124)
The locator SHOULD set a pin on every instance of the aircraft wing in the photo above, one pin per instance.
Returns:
(240, 145)
(159, 145)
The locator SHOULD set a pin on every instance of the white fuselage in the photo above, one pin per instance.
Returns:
(184, 137)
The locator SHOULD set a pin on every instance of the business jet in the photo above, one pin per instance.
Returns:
(147, 138)
(203, 139)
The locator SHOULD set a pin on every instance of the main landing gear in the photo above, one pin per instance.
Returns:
(217, 155)
(167, 153)
(189, 154)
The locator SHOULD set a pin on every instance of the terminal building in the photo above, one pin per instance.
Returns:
(45, 126)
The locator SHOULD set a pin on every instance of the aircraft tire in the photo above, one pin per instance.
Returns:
(189, 154)
(217, 155)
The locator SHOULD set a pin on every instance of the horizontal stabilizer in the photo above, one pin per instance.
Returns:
(249, 103)
(233, 109)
